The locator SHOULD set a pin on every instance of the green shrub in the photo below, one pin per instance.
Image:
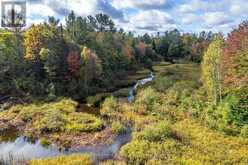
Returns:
(136, 152)
(185, 86)
(229, 115)
(44, 142)
(157, 132)
(244, 131)
(140, 152)
(118, 127)
(147, 97)
(51, 121)
(80, 122)
(162, 83)
(172, 97)
(109, 107)
(239, 106)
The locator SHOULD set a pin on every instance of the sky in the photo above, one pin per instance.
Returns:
(141, 16)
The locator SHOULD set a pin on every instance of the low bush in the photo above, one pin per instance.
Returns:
(109, 107)
(118, 127)
(162, 83)
(238, 113)
(156, 132)
(244, 131)
(141, 152)
(59, 116)
(76, 159)
(51, 121)
(147, 98)
(136, 152)
(83, 123)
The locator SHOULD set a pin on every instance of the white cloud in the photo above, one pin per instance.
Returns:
(193, 6)
(142, 4)
(186, 8)
(203, 6)
(239, 7)
(190, 19)
(84, 7)
(81, 7)
(39, 10)
(216, 18)
(151, 20)
(150, 15)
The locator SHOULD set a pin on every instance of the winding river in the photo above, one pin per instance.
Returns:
(21, 148)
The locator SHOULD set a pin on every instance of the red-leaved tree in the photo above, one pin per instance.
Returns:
(73, 60)
(235, 58)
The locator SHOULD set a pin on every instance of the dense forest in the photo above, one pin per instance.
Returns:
(84, 56)
(195, 111)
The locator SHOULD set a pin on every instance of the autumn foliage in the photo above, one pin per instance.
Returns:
(235, 58)
(128, 51)
(211, 75)
(33, 42)
(73, 60)
(142, 48)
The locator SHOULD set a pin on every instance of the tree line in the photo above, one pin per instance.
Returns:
(84, 56)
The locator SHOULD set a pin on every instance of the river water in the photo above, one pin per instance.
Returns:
(21, 148)
(139, 83)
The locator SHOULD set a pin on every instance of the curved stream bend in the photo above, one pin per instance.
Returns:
(139, 83)
(23, 149)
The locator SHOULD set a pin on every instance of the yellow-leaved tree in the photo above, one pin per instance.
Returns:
(33, 42)
(211, 75)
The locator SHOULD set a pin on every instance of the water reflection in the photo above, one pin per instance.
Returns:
(23, 149)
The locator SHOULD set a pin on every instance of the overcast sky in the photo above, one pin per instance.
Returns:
(150, 15)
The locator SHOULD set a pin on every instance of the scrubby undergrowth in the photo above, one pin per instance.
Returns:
(76, 159)
(171, 124)
(167, 130)
(57, 121)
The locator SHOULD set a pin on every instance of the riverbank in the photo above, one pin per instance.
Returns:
(66, 124)
(56, 122)
(165, 130)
